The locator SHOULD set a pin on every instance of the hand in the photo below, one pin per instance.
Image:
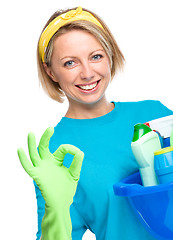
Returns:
(171, 139)
(56, 182)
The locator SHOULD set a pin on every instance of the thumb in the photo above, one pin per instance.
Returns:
(76, 164)
(75, 167)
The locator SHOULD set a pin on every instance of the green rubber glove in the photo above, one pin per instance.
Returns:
(171, 139)
(56, 183)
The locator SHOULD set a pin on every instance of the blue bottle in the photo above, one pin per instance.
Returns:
(163, 164)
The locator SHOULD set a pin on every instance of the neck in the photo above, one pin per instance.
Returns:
(88, 111)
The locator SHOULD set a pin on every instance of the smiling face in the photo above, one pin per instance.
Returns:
(81, 67)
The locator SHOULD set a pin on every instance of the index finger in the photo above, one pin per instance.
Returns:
(76, 164)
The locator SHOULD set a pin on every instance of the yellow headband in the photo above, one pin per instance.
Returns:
(52, 28)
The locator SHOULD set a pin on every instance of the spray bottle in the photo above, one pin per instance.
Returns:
(145, 142)
(164, 126)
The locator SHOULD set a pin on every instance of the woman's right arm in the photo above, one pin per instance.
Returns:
(40, 209)
(56, 182)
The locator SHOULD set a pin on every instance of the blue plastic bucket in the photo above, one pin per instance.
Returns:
(153, 205)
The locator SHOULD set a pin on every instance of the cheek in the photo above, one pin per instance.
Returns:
(106, 70)
(66, 81)
(62, 78)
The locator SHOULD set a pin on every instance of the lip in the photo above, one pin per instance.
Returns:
(87, 83)
(89, 91)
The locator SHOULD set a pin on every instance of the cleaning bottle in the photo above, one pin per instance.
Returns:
(164, 126)
(163, 164)
(145, 142)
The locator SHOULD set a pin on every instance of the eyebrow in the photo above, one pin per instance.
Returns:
(90, 54)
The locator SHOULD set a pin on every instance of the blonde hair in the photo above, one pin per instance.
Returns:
(104, 36)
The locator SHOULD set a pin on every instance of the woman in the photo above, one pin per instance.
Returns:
(77, 58)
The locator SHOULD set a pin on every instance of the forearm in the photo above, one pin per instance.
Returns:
(56, 225)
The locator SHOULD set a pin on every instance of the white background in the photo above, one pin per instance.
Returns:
(143, 30)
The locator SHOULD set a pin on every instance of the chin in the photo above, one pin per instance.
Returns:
(91, 101)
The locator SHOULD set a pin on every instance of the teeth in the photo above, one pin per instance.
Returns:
(88, 87)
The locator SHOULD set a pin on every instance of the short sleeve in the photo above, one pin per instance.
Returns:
(164, 110)
(152, 109)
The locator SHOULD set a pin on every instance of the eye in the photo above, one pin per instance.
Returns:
(69, 63)
(97, 57)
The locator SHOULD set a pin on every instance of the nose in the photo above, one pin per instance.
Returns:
(87, 72)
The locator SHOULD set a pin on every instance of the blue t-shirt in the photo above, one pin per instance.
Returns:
(106, 143)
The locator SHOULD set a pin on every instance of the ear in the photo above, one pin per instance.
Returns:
(49, 72)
